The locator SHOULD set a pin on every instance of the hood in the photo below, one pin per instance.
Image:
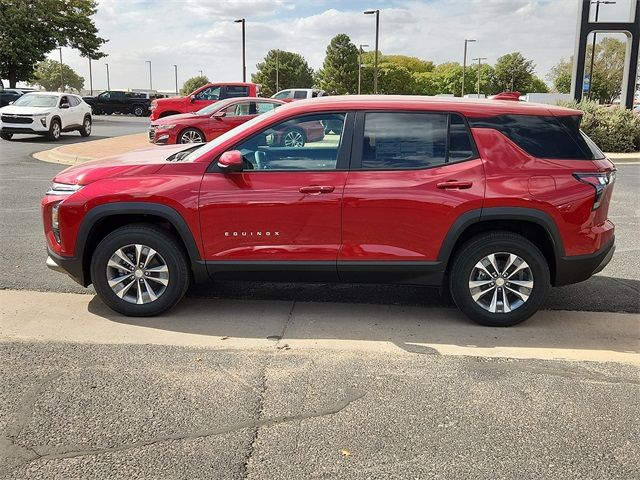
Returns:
(179, 117)
(12, 109)
(146, 161)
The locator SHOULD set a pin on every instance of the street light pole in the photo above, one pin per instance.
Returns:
(479, 59)
(464, 63)
(150, 79)
(90, 78)
(360, 65)
(108, 85)
(175, 68)
(277, 70)
(375, 55)
(200, 72)
(61, 77)
(244, 64)
(593, 47)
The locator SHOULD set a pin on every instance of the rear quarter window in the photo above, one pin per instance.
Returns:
(544, 136)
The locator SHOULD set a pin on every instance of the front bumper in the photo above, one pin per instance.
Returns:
(71, 266)
(160, 137)
(581, 267)
(19, 129)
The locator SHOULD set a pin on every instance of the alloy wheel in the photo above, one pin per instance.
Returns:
(501, 282)
(191, 136)
(87, 126)
(55, 130)
(137, 274)
(293, 139)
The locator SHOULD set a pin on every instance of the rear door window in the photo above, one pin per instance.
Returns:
(299, 94)
(233, 91)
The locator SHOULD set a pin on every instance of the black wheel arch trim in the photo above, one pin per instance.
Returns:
(141, 208)
(501, 213)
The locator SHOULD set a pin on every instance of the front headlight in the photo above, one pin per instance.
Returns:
(63, 189)
(165, 127)
(55, 224)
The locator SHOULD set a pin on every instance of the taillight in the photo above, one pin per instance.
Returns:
(599, 181)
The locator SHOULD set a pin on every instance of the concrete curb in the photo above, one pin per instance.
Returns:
(56, 156)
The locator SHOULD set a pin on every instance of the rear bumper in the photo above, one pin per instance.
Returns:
(579, 268)
(71, 266)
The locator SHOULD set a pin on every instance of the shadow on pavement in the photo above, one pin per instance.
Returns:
(65, 139)
(415, 319)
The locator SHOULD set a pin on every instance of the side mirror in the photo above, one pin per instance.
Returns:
(231, 161)
(192, 98)
(219, 114)
(10, 103)
(64, 105)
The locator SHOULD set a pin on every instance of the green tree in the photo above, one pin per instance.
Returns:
(47, 75)
(30, 29)
(292, 69)
(339, 73)
(560, 76)
(449, 78)
(193, 83)
(426, 83)
(537, 85)
(513, 72)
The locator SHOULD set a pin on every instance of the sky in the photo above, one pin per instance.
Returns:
(201, 35)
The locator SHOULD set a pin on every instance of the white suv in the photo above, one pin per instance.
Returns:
(45, 113)
(291, 94)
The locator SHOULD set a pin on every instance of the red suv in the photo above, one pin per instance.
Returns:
(200, 98)
(492, 200)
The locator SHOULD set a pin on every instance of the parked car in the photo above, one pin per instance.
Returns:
(495, 201)
(202, 97)
(209, 122)
(45, 113)
(9, 95)
(291, 94)
(114, 101)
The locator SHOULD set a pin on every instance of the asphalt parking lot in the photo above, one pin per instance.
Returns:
(270, 381)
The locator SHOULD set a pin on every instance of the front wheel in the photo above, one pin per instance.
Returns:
(55, 129)
(294, 138)
(191, 135)
(499, 279)
(138, 110)
(139, 270)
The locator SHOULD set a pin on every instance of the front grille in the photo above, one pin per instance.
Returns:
(16, 119)
(152, 134)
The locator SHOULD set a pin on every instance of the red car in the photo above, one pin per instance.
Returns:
(494, 200)
(200, 98)
(209, 122)
(220, 117)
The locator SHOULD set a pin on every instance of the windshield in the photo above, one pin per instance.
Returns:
(207, 147)
(33, 100)
(209, 108)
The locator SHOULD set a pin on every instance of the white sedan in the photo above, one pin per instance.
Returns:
(45, 113)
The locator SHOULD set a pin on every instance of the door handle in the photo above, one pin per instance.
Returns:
(454, 184)
(317, 189)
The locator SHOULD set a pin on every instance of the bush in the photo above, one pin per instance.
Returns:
(613, 129)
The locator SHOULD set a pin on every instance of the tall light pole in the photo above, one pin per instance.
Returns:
(244, 64)
(61, 77)
(277, 70)
(108, 85)
(175, 68)
(479, 59)
(593, 47)
(150, 79)
(360, 65)
(464, 62)
(90, 78)
(200, 72)
(375, 55)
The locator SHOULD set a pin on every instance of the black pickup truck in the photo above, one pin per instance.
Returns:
(113, 101)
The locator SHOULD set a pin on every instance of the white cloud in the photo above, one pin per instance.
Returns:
(200, 34)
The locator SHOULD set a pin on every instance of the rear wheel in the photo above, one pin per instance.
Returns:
(139, 270)
(499, 279)
(85, 131)
(55, 129)
(138, 110)
(294, 138)
(6, 136)
(191, 135)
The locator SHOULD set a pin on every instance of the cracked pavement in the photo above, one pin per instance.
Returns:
(143, 411)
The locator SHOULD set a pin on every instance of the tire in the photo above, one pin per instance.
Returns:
(138, 110)
(191, 135)
(85, 131)
(168, 265)
(55, 130)
(6, 136)
(491, 289)
(294, 137)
